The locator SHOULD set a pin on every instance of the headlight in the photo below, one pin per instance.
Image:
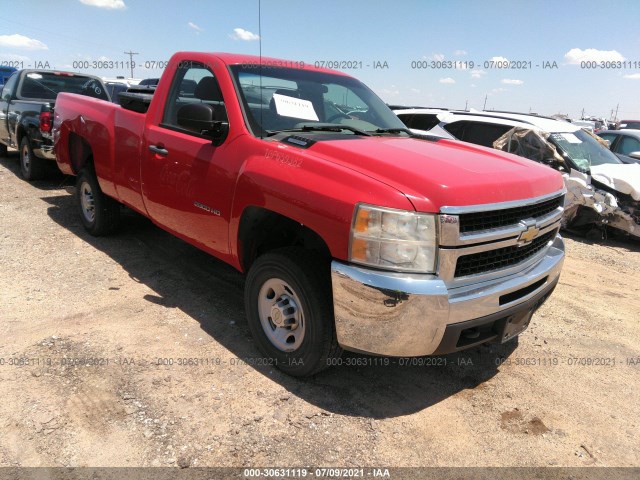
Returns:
(393, 239)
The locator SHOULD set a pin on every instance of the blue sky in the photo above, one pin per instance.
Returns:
(397, 36)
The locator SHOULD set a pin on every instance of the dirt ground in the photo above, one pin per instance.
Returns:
(133, 350)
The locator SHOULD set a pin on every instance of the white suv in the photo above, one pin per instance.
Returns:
(601, 190)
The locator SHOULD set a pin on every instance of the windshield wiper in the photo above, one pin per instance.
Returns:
(321, 127)
(394, 130)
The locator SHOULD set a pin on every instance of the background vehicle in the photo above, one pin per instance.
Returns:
(26, 113)
(353, 234)
(5, 73)
(633, 124)
(586, 124)
(624, 142)
(602, 191)
(115, 86)
(149, 82)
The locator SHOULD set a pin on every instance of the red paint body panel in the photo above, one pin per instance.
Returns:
(318, 186)
(443, 173)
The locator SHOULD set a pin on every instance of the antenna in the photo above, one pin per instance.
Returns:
(260, 66)
(131, 54)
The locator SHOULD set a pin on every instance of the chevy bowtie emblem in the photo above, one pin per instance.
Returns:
(528, 235)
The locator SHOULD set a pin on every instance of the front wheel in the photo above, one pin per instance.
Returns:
(289, 311)
(100, 214)
(31, 167)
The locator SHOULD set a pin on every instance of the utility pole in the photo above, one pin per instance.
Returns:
(466, 104)
(485, 102)
(131, 54)
(617, 106)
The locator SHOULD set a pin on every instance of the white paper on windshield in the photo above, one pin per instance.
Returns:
(571, 138)
(294, 107)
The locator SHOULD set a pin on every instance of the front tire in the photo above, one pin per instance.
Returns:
(100, 214)
(31, 167)
(289, 311)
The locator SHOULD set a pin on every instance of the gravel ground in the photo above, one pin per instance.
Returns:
(133, 350)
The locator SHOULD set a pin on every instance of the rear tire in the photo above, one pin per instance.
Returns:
(289, 311)
(100, 214)
(31, 167)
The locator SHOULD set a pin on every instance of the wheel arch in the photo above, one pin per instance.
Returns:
(21, 131)
(262, 230)
(80, 152)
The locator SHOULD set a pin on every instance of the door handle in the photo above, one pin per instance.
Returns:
(159, 149)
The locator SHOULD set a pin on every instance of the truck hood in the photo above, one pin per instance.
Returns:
(624, 178)
(433, 174)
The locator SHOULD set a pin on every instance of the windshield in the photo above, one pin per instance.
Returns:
(278, 99)
(582, 149)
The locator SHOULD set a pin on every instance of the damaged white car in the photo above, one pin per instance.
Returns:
(602, 192)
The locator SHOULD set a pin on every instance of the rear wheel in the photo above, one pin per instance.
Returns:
(100, 214)
(31, 167)
(289, 311)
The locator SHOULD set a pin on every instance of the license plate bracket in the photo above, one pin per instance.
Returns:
(514, 325)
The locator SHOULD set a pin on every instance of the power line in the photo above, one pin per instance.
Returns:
(131, 54)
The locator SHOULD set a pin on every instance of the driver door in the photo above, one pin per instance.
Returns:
(185, 186)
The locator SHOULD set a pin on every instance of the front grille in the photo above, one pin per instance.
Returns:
(491, 260)
(474, 222)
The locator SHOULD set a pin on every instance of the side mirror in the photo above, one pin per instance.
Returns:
(635, 155)
(200, 117)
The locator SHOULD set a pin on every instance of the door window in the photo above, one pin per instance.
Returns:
(628, 145)
(193, 83)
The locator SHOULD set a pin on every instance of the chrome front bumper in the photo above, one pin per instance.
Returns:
(394, 314)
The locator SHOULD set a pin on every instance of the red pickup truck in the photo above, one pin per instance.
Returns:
(354, 234)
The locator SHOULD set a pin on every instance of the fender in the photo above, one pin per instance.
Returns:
(96, 126)
(311, 191)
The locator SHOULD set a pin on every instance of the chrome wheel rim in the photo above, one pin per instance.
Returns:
(281, 315)
(87, 202)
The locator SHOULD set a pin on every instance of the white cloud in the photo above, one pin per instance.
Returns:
(108, 4)
(576, 55)
(632, 76)
(447, 80)
(438, 57)
(478, 73)
(195, 27)
(20, 41)
(242, 34)
(460, 52)
(10, 57)
(499, 59)
(508, 81)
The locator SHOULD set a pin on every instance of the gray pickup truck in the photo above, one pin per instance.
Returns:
(26, 113)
